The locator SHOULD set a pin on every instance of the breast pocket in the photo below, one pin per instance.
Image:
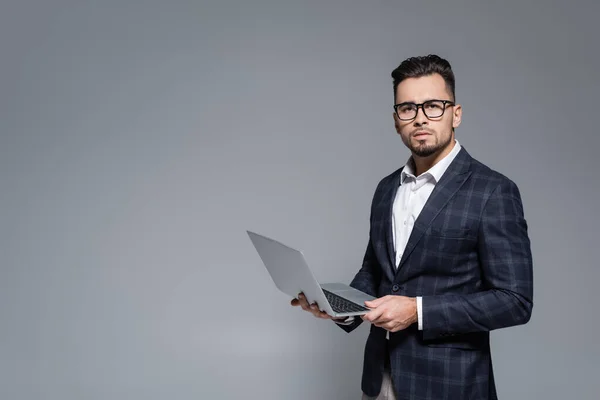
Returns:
(450, 240)
(451, 233)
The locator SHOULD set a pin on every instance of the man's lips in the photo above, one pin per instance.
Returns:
(421, 134)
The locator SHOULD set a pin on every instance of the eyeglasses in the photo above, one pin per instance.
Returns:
(432, 109)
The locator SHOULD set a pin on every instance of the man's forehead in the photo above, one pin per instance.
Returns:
(422, 89)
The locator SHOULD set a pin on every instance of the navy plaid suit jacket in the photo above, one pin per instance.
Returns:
(469, 257)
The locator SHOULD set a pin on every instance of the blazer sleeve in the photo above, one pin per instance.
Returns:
(505, 259)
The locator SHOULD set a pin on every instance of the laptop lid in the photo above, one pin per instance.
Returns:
(288, 270)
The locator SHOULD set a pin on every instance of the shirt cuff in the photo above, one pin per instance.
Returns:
(420, 312)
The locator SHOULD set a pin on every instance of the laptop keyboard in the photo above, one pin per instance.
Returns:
(341, 305)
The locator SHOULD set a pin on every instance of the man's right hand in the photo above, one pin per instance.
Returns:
(313, 308)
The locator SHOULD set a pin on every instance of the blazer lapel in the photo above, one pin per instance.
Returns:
(389, 198)
(382, 224)
(454, 177)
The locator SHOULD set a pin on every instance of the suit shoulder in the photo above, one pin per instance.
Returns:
(489, 177)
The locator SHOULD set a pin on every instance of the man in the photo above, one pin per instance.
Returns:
(448, 256)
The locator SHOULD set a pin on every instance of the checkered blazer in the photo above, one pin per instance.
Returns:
(469, 257)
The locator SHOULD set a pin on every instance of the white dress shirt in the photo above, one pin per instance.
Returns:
(408, 203)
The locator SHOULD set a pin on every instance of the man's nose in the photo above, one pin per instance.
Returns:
(420, 119)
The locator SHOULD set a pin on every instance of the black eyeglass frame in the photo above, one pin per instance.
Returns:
(421, 105)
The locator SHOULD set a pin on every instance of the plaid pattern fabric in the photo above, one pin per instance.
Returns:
(469, 257)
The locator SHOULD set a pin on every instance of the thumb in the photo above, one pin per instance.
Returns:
(375, 303)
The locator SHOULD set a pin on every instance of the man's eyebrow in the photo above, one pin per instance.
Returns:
(414, 102)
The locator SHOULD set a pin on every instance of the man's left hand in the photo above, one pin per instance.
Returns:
(392, 313)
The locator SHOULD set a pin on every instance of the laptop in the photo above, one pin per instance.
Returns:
(291, 275)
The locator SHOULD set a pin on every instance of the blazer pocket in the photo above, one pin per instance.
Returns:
(472, 341)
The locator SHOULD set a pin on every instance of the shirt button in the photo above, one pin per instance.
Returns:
(395, 288)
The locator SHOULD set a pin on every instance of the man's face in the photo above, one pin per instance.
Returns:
(427, 136)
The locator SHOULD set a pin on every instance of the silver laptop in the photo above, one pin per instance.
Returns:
(291, 275)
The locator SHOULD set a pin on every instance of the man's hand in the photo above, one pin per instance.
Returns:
(392, 313)
(313, 309)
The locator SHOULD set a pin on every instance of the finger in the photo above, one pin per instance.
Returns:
(382, 318)
(314, 307)
(388, 326)
(303, 301)
(304, 304)
(377, 302)
(373, 315)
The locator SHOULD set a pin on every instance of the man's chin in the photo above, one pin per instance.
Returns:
(424, 151)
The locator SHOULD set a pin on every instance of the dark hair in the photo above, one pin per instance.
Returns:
(416, 67)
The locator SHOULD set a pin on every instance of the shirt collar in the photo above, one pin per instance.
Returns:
(436, 171)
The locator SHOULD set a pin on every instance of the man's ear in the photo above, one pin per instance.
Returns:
(456, 116)
(396, 123)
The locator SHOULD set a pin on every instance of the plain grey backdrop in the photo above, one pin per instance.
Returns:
(140, 139)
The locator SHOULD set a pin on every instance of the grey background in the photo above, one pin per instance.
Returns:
(140, 139)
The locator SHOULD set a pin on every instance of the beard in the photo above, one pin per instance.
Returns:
(425, 150)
